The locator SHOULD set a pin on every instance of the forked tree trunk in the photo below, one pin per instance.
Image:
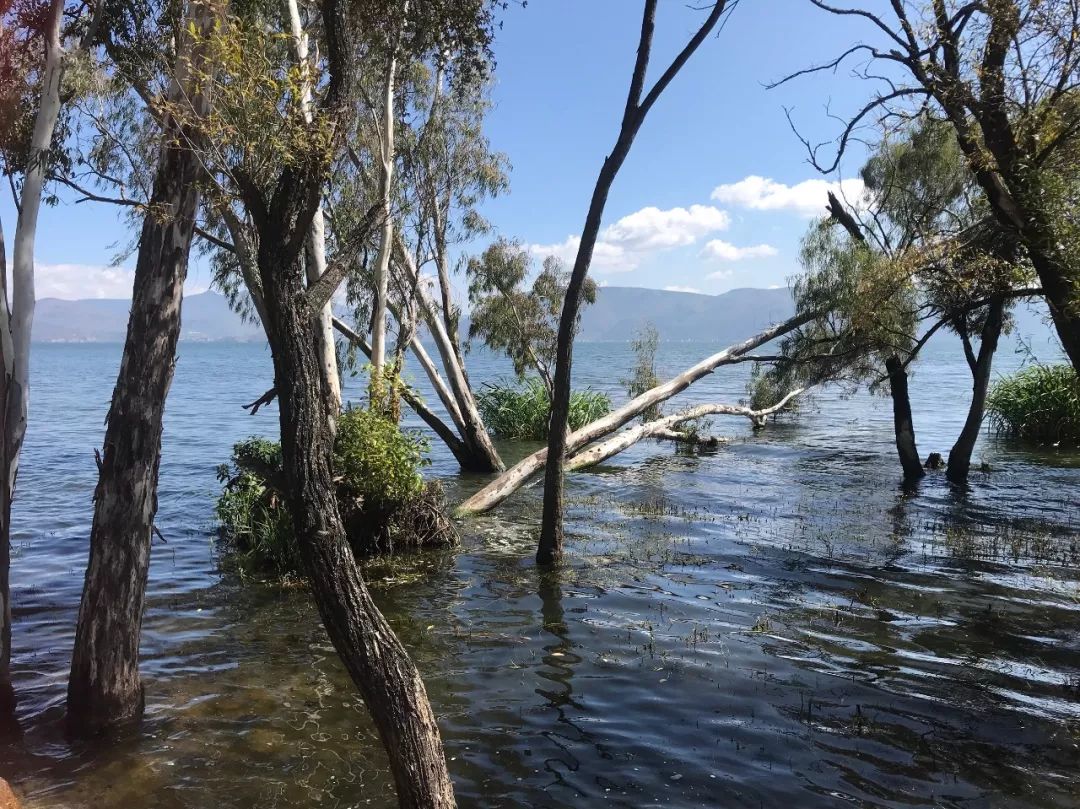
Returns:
(638, 105)
(105, 689)
(16, 321)
(903, 425)
(375, 659)
(960, 454)
(518, 475)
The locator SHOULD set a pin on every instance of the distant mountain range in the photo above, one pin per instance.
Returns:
(618, 315)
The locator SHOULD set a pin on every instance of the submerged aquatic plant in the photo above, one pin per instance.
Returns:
(522, 411)
(1040, 403)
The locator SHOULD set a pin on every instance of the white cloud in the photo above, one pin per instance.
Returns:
(695, 290)
(719, 275)
(624, 244)
(725, 251)
(807, 198)
(73, 282)
(654, 229)
(606, 257)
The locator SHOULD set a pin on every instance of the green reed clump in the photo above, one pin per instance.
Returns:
(522, 411)
(1040, 403)
(384, 501)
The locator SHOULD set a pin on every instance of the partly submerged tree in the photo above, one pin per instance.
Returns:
(104, 688)
(917, 253)
(32, 66)
(509, 316)
(1005, 76)
(638, 104)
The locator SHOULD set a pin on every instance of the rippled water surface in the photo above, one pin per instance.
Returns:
(773, 623)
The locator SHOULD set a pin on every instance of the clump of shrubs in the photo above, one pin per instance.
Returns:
(385, 503)
(1040, 403)
(522, 411)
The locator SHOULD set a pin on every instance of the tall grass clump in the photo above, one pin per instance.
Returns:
(385, 504)
(522, 411)
(1040, 403)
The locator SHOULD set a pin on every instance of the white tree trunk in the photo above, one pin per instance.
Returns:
(475, 432)
(316, 244)
(17, 317)
(662, 428)
(386, 239)
(516, 477)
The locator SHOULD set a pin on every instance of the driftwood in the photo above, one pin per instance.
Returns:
(516, 477)
(664, 428)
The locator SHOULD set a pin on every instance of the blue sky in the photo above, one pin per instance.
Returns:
(714, 195)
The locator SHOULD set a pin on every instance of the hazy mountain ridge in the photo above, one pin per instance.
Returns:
(618, 315)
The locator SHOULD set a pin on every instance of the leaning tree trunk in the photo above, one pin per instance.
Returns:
(386, 238)
(380, 667)
(16, 321)
(960, 454)
(637, 107)
(903, 424)
(1063, 299)
(104, 689)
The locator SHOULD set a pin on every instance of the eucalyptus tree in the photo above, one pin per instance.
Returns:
(521, 321)
(1005, 75)
(638, 104)
(104, 688)
(32, 102)
(446, 168)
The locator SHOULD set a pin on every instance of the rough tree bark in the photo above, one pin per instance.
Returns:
(375, 659)
(960, 454)
(518, 475)
(104, 689)
(549, 548)
(16, 321)
(903, 425)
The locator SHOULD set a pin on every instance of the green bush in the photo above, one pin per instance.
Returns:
(378, 462)
(252, 509)
(383, 499)
(521, 411)
(1040, 403)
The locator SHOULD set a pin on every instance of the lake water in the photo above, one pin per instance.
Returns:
(772, 623)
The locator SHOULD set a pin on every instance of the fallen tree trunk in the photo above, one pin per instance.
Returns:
(516, 477)
(663, 428)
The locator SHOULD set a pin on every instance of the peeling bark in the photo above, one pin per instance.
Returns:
(104, 689)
